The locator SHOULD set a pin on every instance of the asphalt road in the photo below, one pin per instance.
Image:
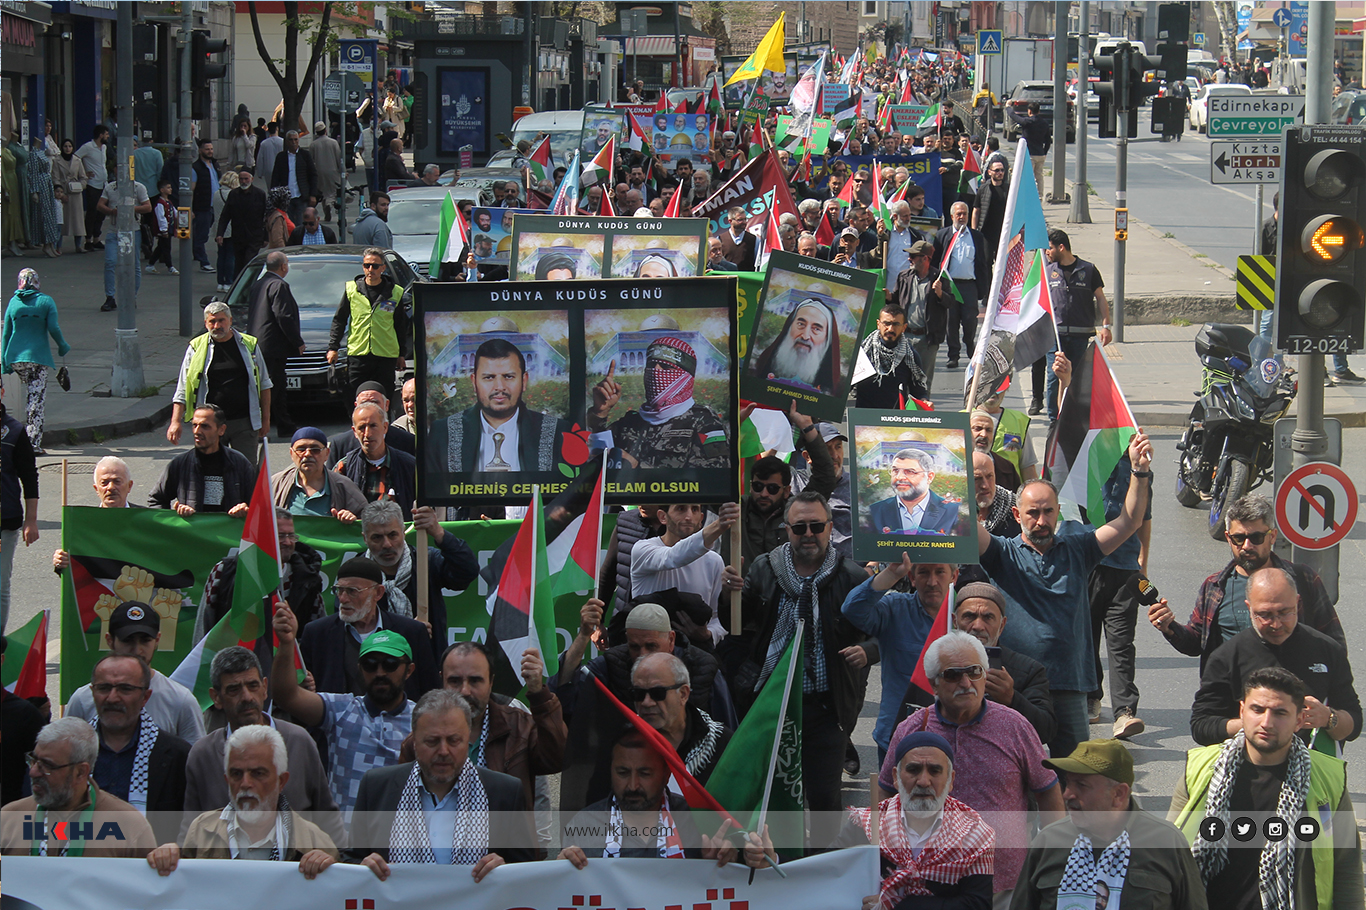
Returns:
(1169, 188)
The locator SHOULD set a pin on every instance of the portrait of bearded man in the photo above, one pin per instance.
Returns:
(806, 351)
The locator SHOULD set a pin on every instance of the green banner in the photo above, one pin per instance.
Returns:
(155, 556)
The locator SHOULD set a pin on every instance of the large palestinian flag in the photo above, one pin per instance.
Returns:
(1092, 433)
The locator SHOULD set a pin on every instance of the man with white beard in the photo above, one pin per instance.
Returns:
(933, 846)
(257, 822)
(806, 352)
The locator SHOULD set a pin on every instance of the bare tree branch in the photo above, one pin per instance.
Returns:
(261, 48)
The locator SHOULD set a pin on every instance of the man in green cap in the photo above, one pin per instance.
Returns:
(1108, 851)
(363, 732)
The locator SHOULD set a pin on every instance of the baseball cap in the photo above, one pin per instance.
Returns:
(831, 431)
(648, 617)
(386, 641)
(849, 232)
(1106, 757)
(133, 617)
(386, 125)
(920, 248)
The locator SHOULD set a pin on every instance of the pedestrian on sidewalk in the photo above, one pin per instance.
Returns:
(92, 157)
(244, 217)
(327, 160)
(278, 224)
(30, 317)
(69, 180)
(204, 187)
(163, 211)
(294, 170)
(106, 204)
(47, 230)
(224, 368)
(227, 259)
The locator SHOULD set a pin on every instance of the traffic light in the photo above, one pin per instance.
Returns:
(1321, 266)
(1122, 89)
(1105, 90)
(1173, 35)
(203, 69)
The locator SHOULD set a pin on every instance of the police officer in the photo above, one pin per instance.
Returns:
(1076, 312)
(671, 430)
(379, 337)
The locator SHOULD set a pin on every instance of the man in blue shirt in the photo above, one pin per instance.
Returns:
(900, 622)
(1044, 573)
(1114, 605)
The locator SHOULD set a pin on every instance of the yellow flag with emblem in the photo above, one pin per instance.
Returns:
(768, 56)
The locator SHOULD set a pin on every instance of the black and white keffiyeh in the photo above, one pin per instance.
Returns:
(1276, 866)
(668, 843)
(797, 601)
(1082, 870)
(999, 513)
(469, 840)
(147, 740)
(398, 601)
(701, 754)
(886, 359)
(284, 829)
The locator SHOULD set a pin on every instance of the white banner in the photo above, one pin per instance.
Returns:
(826, 882)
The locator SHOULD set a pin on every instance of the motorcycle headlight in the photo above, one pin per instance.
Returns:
(1245, 410)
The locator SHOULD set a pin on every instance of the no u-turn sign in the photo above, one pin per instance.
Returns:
(1316, 506)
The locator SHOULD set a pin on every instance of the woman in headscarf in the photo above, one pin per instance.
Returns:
(30, 317)
(278, 225)
(69, 180)
(43, 201)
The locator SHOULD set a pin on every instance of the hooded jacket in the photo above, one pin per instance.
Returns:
(371, 230)
(30, 316)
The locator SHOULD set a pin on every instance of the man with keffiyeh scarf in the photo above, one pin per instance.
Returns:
(933, 846)
(1267, 771)
(898, 376)
(441, 808)
(1107, 846)
(806, 578)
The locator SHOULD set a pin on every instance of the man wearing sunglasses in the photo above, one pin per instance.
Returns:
(137, 761)
(806, 579)
(660, 690)
(374, 321)
(363, 732)
(1221, 606)
(330, 645)
(59, 770)
(309, 487)
(999, 761)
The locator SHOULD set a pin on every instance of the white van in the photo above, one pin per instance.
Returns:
(565, 129)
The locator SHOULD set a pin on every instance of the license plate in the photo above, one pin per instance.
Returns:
(293, 382)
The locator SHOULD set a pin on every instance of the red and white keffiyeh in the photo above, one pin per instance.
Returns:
(963, 845)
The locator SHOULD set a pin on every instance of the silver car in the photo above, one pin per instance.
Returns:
(415, 220)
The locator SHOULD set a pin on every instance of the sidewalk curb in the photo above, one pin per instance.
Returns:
(61, 436)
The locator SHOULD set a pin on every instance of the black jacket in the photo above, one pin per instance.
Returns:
(18, 471)
(19, 726)
(245, 212)
(378, 798)
(339, 445)
(305, 174)
(201, 199)
(165, 785)
(1036, 130)
(273, 317)
(590, 830)
(1316, 659)
(323, 642)
(305, 597)
(450, 565)
(181, 481)
(402, 477)
(980, 266)
(760, 601)
(297, 237)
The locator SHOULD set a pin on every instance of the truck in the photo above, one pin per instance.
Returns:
(1020, 60)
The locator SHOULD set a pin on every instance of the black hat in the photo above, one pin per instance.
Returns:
(134, 617)
(361, 567)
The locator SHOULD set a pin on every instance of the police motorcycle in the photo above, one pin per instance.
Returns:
(1228, 445)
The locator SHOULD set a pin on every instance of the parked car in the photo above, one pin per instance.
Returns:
(565, 129)
(1199, 115)
(317, 275)
(1349, 108)
(1026, 91)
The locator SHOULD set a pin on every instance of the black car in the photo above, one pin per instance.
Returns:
(1026, 91)
(317, 275)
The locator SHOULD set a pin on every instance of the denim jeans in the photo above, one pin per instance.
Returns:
(201, 224)
(1074, 346)
(1073, 724)
(1263, 322)
(227, 262)
(8, 541)
(111, 255)
(1339, 363)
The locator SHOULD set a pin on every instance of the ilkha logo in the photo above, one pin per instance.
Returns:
(71, 831)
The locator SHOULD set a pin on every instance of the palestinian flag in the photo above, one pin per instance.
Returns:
(662, 103)
(944, 265)
(1092, 433)
(846, 196)
(938, 629)
(972, 172)
(907, 94)
(845, 116)
(541, 162)
(803, 172)
(764, 770)
(452, 239)
(899, 195)
(24, 671)
(566, 201)
(258, 555)
(193, 672)
(825, 231)
(599, 170)
(931, 120)
(606, 209)
(879, 207)
(772, 240)
(523, 602)
(758, 141)
(573, 557)
(696, 794)
(682, 107)
(638, 140)
(675, 203)
(715, 103)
